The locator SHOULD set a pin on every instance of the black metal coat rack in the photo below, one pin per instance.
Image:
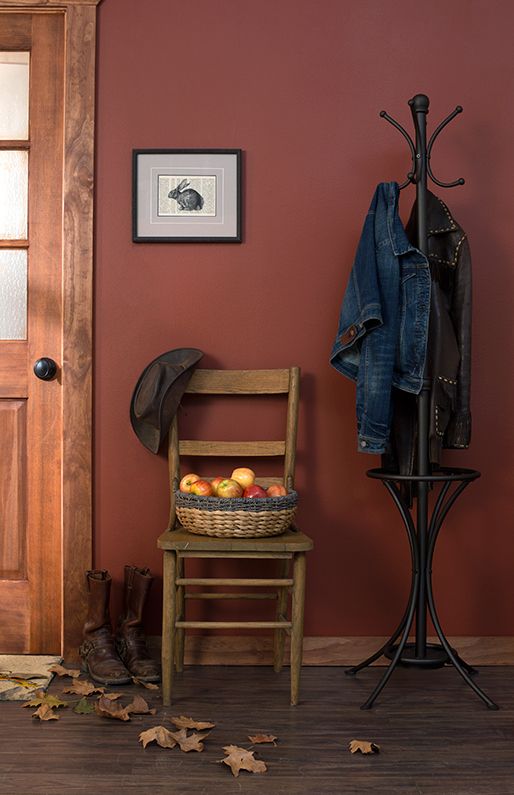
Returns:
(424, 529)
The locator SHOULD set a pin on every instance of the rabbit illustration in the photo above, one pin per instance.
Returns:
(186, 198)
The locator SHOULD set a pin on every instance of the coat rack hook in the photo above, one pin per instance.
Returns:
(434, 135)
(410, 176)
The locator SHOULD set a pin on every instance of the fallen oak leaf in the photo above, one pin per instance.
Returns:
(106, 708)
(84, 707)
(45, 712)
(193, 742)
(158, 734)
(61, 671)
(262, 738)
(39, 698)
(364, 746)
(83, 688)
(148, 685)
(240, 759)
(182, 722)
(139, 707)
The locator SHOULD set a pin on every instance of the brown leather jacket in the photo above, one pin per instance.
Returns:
(449, 346)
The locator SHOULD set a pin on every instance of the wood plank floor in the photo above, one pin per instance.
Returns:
(436, 737)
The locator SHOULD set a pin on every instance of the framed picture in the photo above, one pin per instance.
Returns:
(186, 196)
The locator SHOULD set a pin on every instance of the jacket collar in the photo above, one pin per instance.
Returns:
(439, 217)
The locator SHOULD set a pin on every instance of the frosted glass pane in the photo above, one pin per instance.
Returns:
(13, 294)
(14, 96)
(14, 180)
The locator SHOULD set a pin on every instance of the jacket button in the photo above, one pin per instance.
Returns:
(364, 444)
(352, 331)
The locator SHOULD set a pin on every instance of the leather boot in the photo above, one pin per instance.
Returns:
(130, 639)
(98, 650)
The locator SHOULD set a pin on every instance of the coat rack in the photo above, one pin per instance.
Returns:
(423, 532)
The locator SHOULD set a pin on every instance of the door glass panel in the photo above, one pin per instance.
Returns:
(14, 180)
(13, 294)
(14, 96)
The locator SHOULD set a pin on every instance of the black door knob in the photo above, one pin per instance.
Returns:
(45, 369)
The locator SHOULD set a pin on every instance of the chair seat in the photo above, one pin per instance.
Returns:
(182, 540)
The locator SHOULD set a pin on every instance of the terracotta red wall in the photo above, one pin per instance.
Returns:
(298, 85)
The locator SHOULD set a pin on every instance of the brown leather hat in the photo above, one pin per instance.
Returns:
(158, 393)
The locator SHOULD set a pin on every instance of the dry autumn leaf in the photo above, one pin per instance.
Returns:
(39, 697)
(112, 696)
(139, 707)
(60, 671)
(83, 688)
(182, 722)
(364, 746)
(45, 712)
(240, 759)
(110, 709)
(262, 738)
(193, 742)
(148, 685)
(159, 735)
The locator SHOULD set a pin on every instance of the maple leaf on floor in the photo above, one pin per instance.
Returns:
(364, 746)
(60, 671)
(240, 759)
(139, 707)
(182, 722)
(83, 688)
(112, 696)
(45, 712)
(83, 707)
(159, 735)
(262, 738)
(110, 709)
(148, 685)
(40, 697)
(193, 742)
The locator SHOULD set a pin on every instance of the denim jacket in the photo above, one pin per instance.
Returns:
(382, 335)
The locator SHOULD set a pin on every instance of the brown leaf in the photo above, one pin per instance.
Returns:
(188, 723)
(159, 735)
(240, 759)
(148, 685)
(45, 712)
(110, 709)
(191, 743)
(139, 707)
(60, 671)
(83, 688)
(112, 696)
(262, 738)
(40, 697)
(364, 746)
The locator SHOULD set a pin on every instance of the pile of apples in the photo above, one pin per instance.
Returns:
(241, 483)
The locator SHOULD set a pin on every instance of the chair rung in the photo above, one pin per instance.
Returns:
(233, 624)
(283, 583)
(214, 595)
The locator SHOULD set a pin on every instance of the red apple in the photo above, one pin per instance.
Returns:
(244, 476)
(276, 490)
(254, 491)
(187, 481)
(215, 482)
(229, 488)
(202, 488)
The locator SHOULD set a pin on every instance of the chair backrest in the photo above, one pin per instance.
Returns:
(239, 382)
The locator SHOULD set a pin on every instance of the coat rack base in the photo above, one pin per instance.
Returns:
(422, 542)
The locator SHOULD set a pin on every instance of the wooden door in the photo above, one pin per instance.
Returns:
(46, 253)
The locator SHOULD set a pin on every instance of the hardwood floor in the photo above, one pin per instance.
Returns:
(435, 735)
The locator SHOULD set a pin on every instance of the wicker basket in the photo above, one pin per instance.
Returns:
(236, 517)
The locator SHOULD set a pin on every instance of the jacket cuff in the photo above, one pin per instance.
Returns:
(458, 432)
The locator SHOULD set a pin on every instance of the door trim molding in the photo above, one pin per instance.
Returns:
(77, 353)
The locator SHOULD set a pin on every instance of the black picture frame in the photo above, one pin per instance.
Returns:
(186, 195)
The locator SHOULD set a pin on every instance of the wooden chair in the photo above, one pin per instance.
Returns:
(288, 549)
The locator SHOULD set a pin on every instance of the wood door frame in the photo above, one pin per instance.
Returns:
(77, 353)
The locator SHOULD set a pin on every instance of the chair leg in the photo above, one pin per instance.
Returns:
(299, 563)
(280, 634)
(168, 624)
(181, 603)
